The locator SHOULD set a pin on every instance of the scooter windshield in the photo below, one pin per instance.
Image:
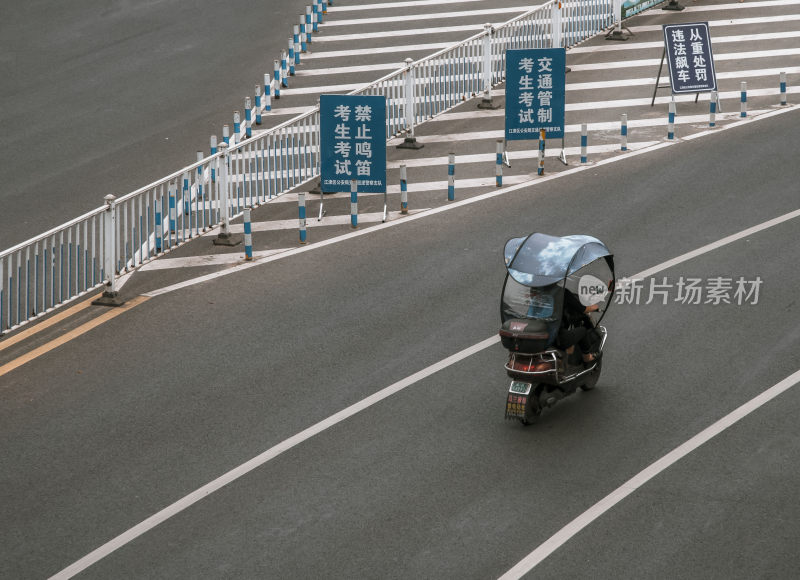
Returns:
(541, 302)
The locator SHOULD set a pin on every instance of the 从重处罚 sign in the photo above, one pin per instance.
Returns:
(353, 141)
(688, 51)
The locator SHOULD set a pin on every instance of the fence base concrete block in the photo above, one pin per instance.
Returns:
(410, 143)
(673, 5)
(488, 104)
(109, 299)
(225, 239)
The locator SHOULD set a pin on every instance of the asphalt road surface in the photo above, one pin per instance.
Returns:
(121, 422)
(106, 96)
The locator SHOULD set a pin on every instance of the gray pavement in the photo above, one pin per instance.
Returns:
(120, 422)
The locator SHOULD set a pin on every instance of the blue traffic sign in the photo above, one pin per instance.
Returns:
(535, 92)
(353, 140)
(688, 51)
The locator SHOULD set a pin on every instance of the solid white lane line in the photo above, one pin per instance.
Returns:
(582, 521)
(732, 22)
(739, 6)
(740, 75)
(194, 497)
(660, 44)
(408, 4)
(432, 46)
(407, 32)
(426, 16)
(654, 62)
(268, 455)
(607, 126)
(208, 260)
(638, 46)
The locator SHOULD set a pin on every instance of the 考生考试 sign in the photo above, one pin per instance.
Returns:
(353, 140)
(535, 91)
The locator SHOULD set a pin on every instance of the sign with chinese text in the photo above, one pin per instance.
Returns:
(353, 140)
(535, 80)
(688, 52)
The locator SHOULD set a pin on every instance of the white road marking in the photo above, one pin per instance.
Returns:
(739, 6)
(654, 62)
(426, 16)
(545, 549)
(603, 66)
(407, 32)
(393, 5)
(268, 455)
(605, 126)
(189, 500)
(660, 44)
(208, 260)
(720, 23)
(582, 521)
(638, 46)
(435, 46)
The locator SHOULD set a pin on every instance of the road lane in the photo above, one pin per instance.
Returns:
(176, 416)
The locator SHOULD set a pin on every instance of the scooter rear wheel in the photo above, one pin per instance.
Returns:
(532, 410)
(594, 376)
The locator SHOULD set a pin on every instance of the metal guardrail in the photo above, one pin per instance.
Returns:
(93, 250)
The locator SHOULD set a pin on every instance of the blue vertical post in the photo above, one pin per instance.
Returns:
(248, 236)
(324, 4)
(248, 118)
(277, 76)
(498, 164)
(403, 190)
(540, 170)
(159, 225)
(258, 104)
(291, 57)
(671, 121)
(712, 109)
(284, 70)
(451, 176)
(185, 192)
(226, 134)
(783, 88)
(237, 126)
(584, 143)
(198, 194)
(213, 143)
(624, 132)
(743, 109)
(309, 28)
(172, 217)
(301, 208)
(354, 203)
(296, 39)
(314, 16)
(303, 39)
(267, 91)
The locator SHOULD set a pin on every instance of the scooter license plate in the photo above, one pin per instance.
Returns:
(517, 400)
(520, 388)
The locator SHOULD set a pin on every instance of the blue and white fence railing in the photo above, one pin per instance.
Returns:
(66, 262)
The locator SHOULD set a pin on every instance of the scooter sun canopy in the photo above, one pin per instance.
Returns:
(541, 260)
